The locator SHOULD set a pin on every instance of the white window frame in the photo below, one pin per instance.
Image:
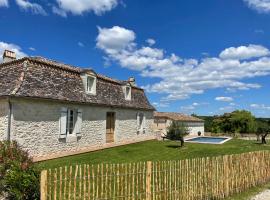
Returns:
(92, 89)
(64, 123)
(68, 121)
(127, 95)
(85, 77)
(141, 122)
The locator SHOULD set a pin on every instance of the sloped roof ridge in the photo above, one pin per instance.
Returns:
(171, 115)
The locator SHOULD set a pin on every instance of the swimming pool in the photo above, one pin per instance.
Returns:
(208, 140)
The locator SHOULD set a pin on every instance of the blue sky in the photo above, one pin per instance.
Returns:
(204, 57)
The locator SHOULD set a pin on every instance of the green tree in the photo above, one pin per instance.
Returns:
(239, 121)
(243, 121)
(263, 129)
(177, 131)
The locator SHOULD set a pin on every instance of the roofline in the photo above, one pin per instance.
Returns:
(72, 102)
(167, 117)
(69, 68)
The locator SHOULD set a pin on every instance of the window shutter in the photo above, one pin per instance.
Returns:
(138, 122)
(63, 123)
(144, 123)
(79, 122)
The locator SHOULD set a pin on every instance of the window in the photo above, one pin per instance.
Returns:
(70, 122)
(127, 91)
(141, 123)
(90, 84)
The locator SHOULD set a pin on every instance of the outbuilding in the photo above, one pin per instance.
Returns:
(162, 121)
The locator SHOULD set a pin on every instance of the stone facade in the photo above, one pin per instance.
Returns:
(35, 125)
(3, 118)
(194, 127)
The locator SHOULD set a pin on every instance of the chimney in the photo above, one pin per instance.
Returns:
(131, 80)
(9, 56)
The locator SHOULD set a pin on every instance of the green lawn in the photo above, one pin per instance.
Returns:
(156, 150)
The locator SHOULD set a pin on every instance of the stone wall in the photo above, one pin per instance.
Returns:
(35, 126)
(194, 127)
(3, 119)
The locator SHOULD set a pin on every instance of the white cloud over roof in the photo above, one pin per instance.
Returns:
(226, 99)
(3, 3)
(244, 52)
(79, 7)
(33, 7)
(262, 6)
(182, 77)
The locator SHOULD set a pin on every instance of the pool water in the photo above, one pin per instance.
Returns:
(209, 140)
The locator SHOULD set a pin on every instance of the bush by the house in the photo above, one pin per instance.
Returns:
(19, 178)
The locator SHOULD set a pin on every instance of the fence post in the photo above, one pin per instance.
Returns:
(43, 185)
(148, 180)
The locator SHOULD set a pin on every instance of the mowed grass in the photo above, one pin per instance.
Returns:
(155, 151)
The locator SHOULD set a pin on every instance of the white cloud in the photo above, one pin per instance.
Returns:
(80, 44)
(226, 99)
(187, 109)
(262, 6)
(160, 105)
(13, 47)
(33, 7)
(259, 31)
(182, 77)
(79, 7)
(151, 41)
(226, 109)
(260, 106)
(59, 11)
(32, 49)
(3, 3)
(115, 39)
(244, 52)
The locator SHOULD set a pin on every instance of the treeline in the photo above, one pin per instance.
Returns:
(239, 121)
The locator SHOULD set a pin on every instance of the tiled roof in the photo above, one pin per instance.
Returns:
(177, 117)
(37, 77)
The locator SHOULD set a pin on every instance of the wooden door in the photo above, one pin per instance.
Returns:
(110, 126)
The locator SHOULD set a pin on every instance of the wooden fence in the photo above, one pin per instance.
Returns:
(191, 179)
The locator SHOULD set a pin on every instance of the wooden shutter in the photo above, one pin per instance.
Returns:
(63, 123)
(144, 123)
(79, 122)
(138, 122)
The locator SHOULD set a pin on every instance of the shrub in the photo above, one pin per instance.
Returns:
(177, 130)
(19, 178)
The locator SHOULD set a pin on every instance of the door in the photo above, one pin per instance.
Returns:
(110, 125)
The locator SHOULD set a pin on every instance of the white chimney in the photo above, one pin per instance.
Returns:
(131, 80)
(9, 56)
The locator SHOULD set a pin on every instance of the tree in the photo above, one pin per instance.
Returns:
(243, 121)
(263, 129)
(177, 131)
(239, 121)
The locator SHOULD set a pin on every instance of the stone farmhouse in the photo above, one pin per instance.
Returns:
(53, 109)
(163, 119)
